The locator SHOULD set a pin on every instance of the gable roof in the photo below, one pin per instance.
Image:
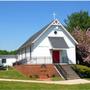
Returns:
(33, 38)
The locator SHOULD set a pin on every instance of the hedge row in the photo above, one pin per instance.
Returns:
(82, 71)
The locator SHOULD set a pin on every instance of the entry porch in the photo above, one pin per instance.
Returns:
(57, 57)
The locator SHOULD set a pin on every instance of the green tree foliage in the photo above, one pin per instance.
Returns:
(5, 52)
(78, 19)
(78, 24)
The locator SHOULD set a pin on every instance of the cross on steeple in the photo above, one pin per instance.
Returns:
(54, 15)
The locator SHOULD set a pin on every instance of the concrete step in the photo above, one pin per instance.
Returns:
(71, 73)
(67, 72)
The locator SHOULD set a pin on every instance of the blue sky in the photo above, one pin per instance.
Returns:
(20, 20)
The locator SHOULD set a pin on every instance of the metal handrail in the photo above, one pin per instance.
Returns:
(35, 59)
(40, 58)
(62, 71)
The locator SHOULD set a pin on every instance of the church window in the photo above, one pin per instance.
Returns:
(55, 32)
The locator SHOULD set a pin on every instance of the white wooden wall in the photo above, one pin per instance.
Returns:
(9, 61)
(42, 46)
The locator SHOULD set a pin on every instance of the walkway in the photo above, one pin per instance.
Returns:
(69, 82)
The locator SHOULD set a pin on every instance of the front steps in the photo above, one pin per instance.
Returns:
(67, 72)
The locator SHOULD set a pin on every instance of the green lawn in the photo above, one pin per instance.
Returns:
(12, 74)
(56, 78)
(34, 86)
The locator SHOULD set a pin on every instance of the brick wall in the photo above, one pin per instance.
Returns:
(42, 71)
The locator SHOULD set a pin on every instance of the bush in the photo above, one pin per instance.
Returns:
(82, 71)
(36, 76)
(30, 76)
(53, 75)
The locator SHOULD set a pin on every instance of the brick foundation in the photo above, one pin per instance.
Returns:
(40, 71)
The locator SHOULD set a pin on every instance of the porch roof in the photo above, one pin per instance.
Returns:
(58, 42)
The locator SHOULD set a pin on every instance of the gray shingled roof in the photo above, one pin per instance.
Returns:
(58, 42)
(32, 38)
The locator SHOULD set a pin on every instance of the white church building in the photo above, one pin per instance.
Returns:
(52, 44)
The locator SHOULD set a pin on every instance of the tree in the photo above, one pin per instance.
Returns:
(78, 19)
(5, 52)
(83, 48)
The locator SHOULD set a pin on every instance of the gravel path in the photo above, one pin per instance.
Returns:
(69, 82)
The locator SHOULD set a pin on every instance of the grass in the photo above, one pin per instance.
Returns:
(87, 78)
(56, 78)
(34, 86)
(12, 74)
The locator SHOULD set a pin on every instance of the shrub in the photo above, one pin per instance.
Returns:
(83, 71)
(43, 66)
(30, 76)
(53, 75)
(36, 76)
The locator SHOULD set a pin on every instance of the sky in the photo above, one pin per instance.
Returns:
(19, 20)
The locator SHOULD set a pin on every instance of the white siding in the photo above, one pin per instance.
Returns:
(72, 55)
(28, 52)
(0, 61)
(23, 53)
(42, 47)
(9, 61)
